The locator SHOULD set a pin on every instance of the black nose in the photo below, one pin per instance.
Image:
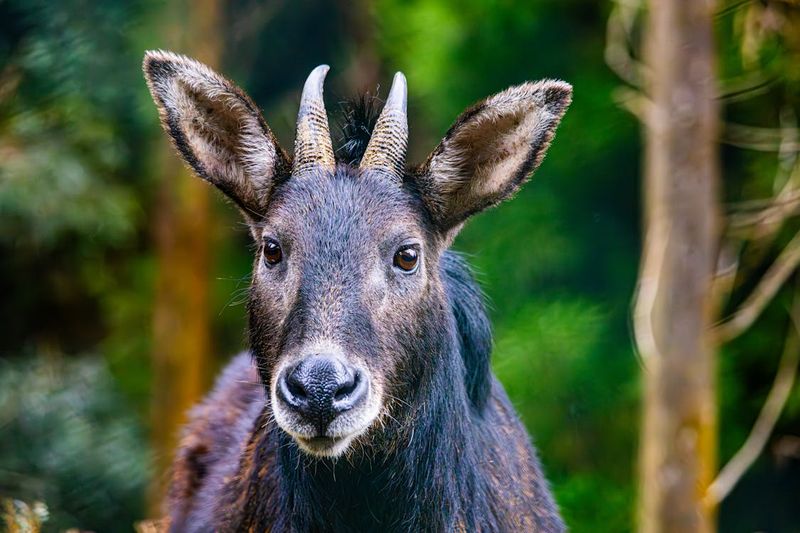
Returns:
(320, 387)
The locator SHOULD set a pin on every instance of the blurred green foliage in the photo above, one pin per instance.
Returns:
(78, 167)
(71, 440)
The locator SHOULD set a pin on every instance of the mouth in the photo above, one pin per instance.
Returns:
(332, 442)
(323, 446)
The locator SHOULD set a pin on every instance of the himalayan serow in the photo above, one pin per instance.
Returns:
(367, 402)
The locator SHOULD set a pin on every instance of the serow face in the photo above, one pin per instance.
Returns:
(346, 296)
(339, 295)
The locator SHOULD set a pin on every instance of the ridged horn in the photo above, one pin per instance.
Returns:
(312, 145)
(386, 150)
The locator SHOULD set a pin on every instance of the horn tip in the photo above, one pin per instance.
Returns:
(315, 80)
(398, 95)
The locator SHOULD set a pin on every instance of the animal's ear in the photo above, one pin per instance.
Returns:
(217, 129)
(490, 151)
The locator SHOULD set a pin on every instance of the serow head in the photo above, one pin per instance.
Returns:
(348, 313)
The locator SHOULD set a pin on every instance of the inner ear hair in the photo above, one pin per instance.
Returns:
(205, 130)
(491, 150)
(217, 129)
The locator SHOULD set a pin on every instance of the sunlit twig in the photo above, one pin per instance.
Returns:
(645, 299)
(759, 139)
(785, 377)
(773, 212)
(617, 52)
(767, 287)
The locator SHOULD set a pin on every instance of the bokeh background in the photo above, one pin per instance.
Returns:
(122, 279)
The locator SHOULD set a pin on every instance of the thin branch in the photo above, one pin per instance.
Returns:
(767, 287)
(760, 139)
(725, 273)
(785, 377)
(787, 158)
(771, 214)
(645, 297)
(764, 224)
(746, 207)
(618, 43)
(619, 56)
(733, 7)
(765, 216)
(744, 87)
(633, 101)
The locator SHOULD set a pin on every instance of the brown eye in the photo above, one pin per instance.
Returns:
(272, 252)
(407, 259)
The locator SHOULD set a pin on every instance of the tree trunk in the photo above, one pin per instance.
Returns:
(678, 439)
(181, 318)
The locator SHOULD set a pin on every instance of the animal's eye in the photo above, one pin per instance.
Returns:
(407, 258)
(272, 252)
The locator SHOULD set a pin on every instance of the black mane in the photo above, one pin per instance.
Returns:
(474, 329)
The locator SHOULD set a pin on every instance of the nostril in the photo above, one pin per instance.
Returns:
(296, 388)
(291, 389)
(347, 388)
(351, 393)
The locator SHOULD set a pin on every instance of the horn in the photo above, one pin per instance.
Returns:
(313, 146)
(387, 147)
